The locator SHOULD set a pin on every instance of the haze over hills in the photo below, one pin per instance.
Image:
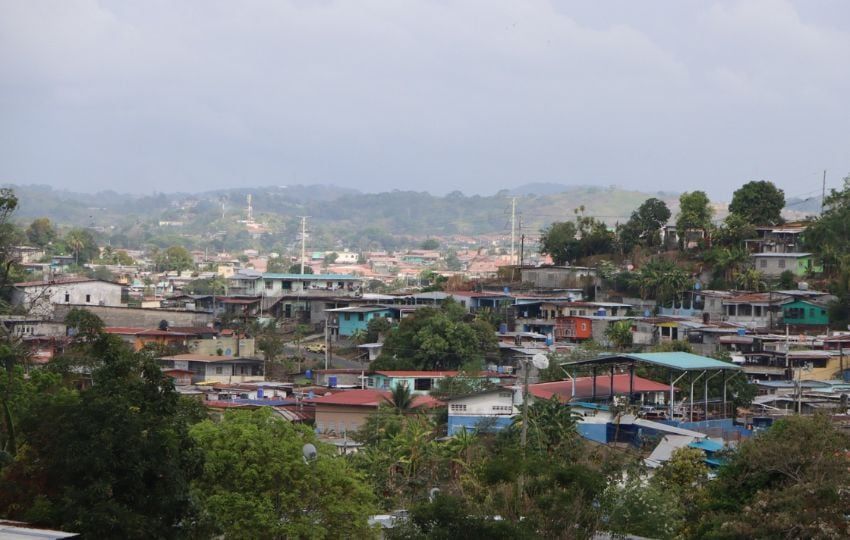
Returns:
(342, 213)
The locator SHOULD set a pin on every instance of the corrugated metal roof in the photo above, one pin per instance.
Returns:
(680, 361)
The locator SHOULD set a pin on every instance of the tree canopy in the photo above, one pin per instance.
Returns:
(644, 225)
(758, 203)
(256, 484)
(694, 214)
(437, 338)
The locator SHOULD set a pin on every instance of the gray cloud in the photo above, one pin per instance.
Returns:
(429, 95)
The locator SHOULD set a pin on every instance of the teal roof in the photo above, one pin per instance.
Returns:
(707, 445)
(680, 361)
(313, 277)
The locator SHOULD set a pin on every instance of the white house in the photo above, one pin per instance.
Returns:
(491, 409)
(39, 297)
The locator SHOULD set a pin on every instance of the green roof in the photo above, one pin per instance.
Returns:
(680, 361)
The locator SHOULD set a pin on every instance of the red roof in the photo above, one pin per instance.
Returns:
(370, 398)
(129, 330)
(584, 387)
(431, 374)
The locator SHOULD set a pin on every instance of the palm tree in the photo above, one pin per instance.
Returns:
(401, 398)
(751, 280)
(619, 333)
(76, 240)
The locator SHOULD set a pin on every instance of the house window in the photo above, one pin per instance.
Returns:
(763, 263)
(458, 407)
(812, 313)
(422, 384)
(501, 409)
(359, 316)
(269, 285)
(347, 316)
(219, 370)
(781, 263)
(88, 298)
(67, 297)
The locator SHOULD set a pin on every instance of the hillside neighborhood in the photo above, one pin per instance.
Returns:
(667, 339)
(424, 270)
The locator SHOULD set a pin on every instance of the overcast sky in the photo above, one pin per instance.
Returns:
(425, 95)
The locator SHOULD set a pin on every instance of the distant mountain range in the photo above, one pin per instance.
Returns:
(339, 215)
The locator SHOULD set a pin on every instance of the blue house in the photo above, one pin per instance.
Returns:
(350, 320)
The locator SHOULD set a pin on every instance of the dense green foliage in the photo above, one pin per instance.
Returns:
(113, 459)
(758, 203)
(694, 214)
(644, 225)
(256, 484)
(437, 338)
(566, 242)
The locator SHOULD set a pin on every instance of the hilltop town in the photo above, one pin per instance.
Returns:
(438, 376)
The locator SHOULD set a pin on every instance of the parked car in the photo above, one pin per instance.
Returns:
(316, 347)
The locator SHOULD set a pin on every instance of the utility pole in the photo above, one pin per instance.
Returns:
(513, 230)
(328, 341)
(823, 192)
(303, 241)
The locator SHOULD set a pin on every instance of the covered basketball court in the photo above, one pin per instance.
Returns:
(677, 367)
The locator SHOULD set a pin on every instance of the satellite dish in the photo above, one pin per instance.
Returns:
(540, 361)
(309, 452)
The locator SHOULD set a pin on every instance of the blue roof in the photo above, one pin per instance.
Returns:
(680, 361)
(707, 444)
(315, 277)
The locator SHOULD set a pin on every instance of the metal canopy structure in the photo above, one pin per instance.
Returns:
(677, 363)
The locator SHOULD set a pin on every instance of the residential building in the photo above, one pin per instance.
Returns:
(420, 382)
(348, 321)
(754, 310)
(805, 313)
(559, 277)
(774, 264)
(39, 297)
(488, 410)
(206, 368)
(347, 411)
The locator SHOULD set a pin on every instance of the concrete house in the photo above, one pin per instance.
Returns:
(40, 297)
(347, 411)
(773, 264)
(491, 409)
(350, 320)
(206, 368)
(754, 310)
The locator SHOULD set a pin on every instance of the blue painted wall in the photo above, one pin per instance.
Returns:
(470, 423)
(347, 327)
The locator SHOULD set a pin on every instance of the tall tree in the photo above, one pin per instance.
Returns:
(759, 203)
(256, 484)
(558, 241)
(694, 214)
(82, 244)
(113, 460)
(829, 235)
(176, 258)
(437, 338)
(788, 482)
(41, 232)
(644, 225)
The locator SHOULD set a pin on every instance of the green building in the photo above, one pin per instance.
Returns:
(805, 313)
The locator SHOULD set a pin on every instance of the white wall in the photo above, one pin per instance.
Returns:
(40, 299)
(483, 404)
